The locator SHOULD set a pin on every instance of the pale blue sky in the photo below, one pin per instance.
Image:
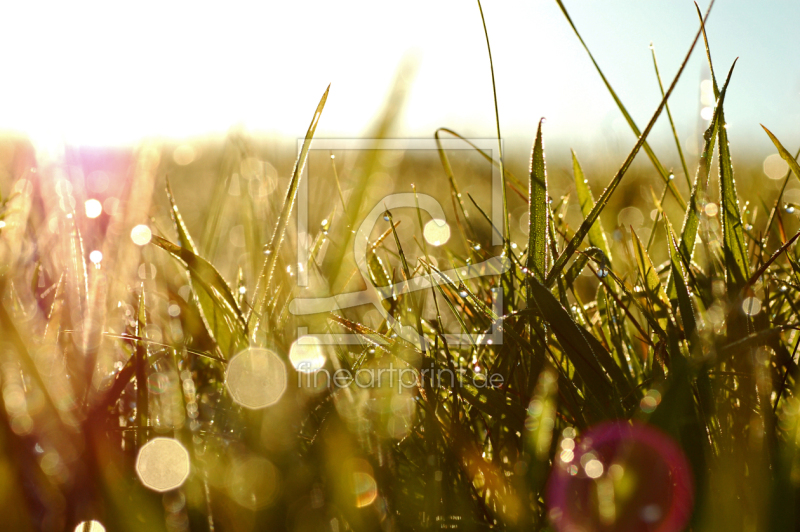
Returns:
(100, 72)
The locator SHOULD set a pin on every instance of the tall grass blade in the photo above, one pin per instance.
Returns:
(583, 230)
(737, 265)
(648, 150)
(691, 220)
(671, 121)
(537, 212)
(653, 289)
(273, 248)
(784, 153)
(506, 227)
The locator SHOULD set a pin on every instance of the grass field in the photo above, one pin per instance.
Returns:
(619, 352)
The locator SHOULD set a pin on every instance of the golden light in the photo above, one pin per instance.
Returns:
(365, 488)
(141, 235)
(256, 378)
(96, 256)
(436, 232)
(90, 526)
(93, 208)
(307, 355)
(162, 464)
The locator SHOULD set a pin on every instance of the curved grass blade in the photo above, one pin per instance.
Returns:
(516, 184)
(215, 300)
(265, 278)
(784, 153)
(506, 226)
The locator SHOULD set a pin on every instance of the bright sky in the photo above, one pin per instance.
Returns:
(113, 72)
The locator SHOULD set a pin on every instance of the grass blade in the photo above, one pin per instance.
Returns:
(671, 122)
(691, 220)
(784, 153)
(184, 238)
(653, 288)
(583, 230)
(597, 237)
(681, 291)
(648, 150)
(537, 212)
(218, 307)
(273, 249)
(737, 266)
(575, 343)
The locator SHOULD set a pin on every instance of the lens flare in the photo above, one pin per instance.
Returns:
(622, 478)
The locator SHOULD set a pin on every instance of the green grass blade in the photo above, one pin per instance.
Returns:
(575, 343)
(537, 212)
(671, 122)
(515, 183)
(141, 364)
(776, 207)
(184, 238)
(216, 302)
(506, 227)
(654, 290)
(682, 292)
(691, 220)
(265, 278)
(784, 153)
(597, 237)
(737, 266)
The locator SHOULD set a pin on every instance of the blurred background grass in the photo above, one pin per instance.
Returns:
(315, 462)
